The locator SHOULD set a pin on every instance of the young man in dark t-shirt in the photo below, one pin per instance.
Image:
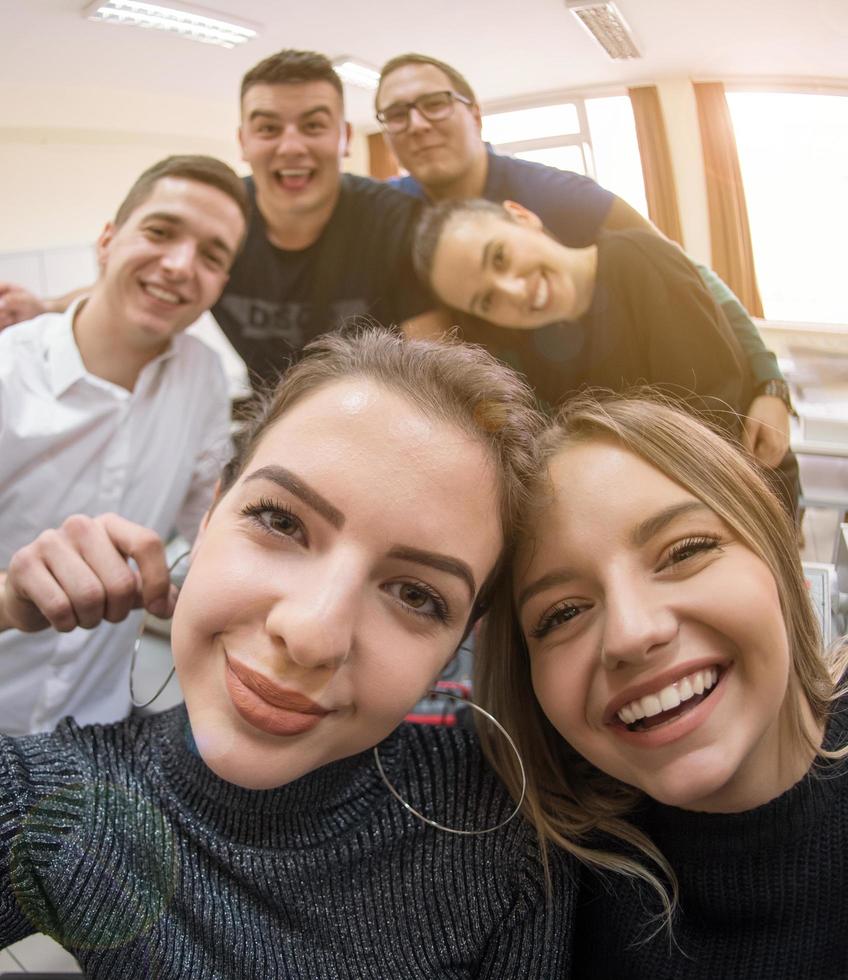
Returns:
(440, 145)
(321, 246)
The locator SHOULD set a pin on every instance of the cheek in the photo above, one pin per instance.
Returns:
(562, 688)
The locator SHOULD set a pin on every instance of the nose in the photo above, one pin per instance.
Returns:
(638, 623)
(178, 258)
(290, 142)
(417, 120)
(315, 621)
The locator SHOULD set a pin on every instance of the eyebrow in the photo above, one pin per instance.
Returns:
(288, 481)
(639, 536)
(643, 532)
(444, 563)
(557, 577)
(172, 219)
(475, 299)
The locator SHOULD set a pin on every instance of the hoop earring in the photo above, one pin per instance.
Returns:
(178, 581)
(453, 830)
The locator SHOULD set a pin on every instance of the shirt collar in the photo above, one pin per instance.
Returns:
(64, 361)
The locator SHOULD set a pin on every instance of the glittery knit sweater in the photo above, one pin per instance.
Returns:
(120, 843)
(762, 893)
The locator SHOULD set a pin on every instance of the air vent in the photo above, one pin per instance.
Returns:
(604, 22)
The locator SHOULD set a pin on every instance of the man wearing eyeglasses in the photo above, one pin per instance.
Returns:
(431, 120)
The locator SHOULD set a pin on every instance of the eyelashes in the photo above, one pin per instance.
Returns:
(690, 548)
(264, 512)
(563, 612)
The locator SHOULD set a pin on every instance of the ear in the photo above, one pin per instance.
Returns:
(104, 243)
(346, 138)
(240, 137)
(522, 215)
(478, 117)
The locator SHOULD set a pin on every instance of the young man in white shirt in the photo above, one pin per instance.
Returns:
(108, 408)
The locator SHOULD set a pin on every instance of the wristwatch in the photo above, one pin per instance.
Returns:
(777, 388)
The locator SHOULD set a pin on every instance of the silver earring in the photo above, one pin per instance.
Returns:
(177, 578)
(512, 745)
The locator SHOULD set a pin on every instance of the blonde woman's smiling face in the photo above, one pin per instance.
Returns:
(656, 638)
(332, 583)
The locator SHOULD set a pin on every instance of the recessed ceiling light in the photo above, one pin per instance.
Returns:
(603, 20)
(356, 72)
(186, 20)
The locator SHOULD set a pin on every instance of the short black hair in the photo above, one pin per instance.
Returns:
(197, 167)
(290, 67)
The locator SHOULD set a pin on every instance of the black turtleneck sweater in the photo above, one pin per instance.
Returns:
(762, 893)
(120, 843)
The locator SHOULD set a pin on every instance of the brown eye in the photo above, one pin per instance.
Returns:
(413, 596)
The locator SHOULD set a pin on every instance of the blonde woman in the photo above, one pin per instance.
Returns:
(680, 723)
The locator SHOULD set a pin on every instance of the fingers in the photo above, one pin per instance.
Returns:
(145, 547)
(17, 304)
(78, 575)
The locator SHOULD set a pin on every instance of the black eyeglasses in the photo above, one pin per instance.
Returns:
(433, 106)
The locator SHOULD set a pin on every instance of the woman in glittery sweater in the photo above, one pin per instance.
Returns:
(682, 730)
(252, 832)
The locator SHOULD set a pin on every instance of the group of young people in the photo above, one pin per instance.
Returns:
(660, 789)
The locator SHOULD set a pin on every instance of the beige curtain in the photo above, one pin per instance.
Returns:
(732, 252)
(660, 188)
(382, 163)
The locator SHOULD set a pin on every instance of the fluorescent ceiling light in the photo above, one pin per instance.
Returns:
(356, 72)
(186, 20)
(603, 20)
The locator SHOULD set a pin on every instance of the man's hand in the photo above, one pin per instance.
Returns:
(17, 303)
(78, 575)
(766, 430)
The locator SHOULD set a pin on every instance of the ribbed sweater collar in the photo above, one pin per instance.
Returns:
(322, 805)
(681, 834)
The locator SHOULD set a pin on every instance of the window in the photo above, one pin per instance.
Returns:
(596, 137)
(793, 153)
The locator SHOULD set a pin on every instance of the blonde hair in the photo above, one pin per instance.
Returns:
(570, 802)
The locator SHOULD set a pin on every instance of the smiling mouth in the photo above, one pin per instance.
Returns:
(541, 295)
(268, 707)
(669, 703)
(162, 294)
(293, 178)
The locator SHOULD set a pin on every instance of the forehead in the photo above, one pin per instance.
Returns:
(388, 465)
(194, 203)
(409, 81)
(599, 485)
(291, 99)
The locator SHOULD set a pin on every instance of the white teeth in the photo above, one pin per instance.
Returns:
(164, 294)
(541, 296)
(293, 173)
(669, 697)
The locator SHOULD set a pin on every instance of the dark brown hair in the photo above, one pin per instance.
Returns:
(457, 80)
(290, 67)
(202, 169)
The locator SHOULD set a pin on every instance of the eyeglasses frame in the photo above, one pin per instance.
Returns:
(409, 106)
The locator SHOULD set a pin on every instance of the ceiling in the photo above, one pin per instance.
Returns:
(57, 67)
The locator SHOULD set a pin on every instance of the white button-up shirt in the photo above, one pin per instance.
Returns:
(73, 443)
